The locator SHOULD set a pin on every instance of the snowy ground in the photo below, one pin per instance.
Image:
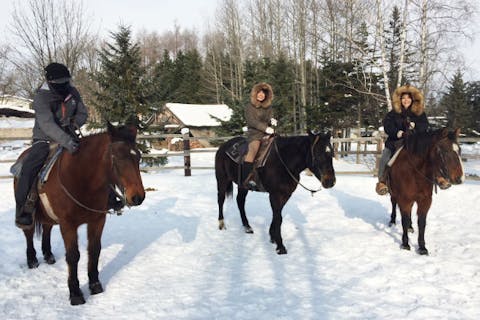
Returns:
(167, 259)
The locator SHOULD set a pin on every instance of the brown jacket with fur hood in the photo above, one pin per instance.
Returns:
(258, 114)
(399, 118)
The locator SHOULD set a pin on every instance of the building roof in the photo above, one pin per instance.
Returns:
(200, 115)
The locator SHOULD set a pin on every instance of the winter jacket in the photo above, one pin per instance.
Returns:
(51, 119)
(399, 118)
(258, 114)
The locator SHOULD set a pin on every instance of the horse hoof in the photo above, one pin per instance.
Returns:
(390, 224)
(281, 250)
(411, 230)
(33, 264)
(76, 300)
(405, 247)
(423, 251)
(221, 225)
(95, 288)
(49, 259)
(248, 229)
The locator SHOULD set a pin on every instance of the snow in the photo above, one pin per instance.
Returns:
(199, 115)
(15, 122)
(166, 259)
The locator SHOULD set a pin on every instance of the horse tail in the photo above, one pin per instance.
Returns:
(229, 191)
(38, 226)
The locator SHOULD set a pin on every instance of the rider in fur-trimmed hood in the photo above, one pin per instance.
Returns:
(259, 117)
(406, 117)
(418, 103)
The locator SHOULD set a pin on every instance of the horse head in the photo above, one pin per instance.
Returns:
(125, 160)
(445, 156)
(320, 162)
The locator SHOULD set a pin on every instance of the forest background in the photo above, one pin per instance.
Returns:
(333, 64)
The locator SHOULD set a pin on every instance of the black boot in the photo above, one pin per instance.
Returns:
(23, 219)
(247, 176)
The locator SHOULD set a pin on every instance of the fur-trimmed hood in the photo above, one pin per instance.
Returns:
(418, 105)
(269, 95)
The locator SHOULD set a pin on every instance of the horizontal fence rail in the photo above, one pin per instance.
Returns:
(342, 147)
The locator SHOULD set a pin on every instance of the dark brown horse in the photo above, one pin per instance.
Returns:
(280, 175)
(76, 192)
(424, 158)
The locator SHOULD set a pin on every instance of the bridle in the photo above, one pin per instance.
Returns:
(317, 138)
(442, 169)
(114, 186)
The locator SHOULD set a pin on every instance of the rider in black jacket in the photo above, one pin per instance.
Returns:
(58, 106)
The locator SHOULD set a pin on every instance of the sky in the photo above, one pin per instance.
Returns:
(152, 15)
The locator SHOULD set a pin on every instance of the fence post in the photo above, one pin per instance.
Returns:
(186, 151)
(378, 155)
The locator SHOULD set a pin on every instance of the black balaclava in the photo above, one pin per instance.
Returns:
(58, 77)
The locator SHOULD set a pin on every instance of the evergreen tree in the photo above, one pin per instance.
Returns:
(473, 97)
(125, 89)
(455, 102)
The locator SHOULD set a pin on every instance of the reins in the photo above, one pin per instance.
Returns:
(77, 202)
(288, 170)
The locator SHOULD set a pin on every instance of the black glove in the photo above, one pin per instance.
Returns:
(71, 146)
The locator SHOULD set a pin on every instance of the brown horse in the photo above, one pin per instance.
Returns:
(424, 158)
(76, 192)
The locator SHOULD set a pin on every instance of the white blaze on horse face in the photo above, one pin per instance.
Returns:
(456, 148)
(132, 152)
(328, 149)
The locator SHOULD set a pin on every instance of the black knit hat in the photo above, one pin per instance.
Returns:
(57, 73)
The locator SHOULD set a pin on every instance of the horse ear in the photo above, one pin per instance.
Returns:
(457, 132)
(110, 127)
(444, 133)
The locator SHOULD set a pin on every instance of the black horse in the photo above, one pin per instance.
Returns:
(280, 175)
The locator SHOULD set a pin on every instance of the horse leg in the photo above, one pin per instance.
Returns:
(406, 212)
(32, 261)
(277, 202)
(241, 196)
(72, 255)
(393, 216)
(422, 211)
(94, 231)
(221, 191)
(46, 246)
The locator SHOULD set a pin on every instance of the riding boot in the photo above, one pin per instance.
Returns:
(443, 183)
(381, 188)
(23, 219)
(247, 175)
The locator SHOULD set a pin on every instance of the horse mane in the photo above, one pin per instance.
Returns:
(420, 143)
(121, 133)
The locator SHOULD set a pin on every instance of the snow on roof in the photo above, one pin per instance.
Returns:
(15, 103)
(199, 115)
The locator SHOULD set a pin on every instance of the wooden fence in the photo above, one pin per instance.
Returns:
(342, 148)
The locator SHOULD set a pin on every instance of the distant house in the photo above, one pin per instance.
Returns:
(13, 106)
(16, 117)
(201, 119)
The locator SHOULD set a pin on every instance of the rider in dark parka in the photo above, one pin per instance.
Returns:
(407, 116)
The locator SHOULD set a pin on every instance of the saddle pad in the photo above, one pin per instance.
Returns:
(238, 150)
(394, 157)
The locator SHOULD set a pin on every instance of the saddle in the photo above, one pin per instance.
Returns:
(238, 151)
